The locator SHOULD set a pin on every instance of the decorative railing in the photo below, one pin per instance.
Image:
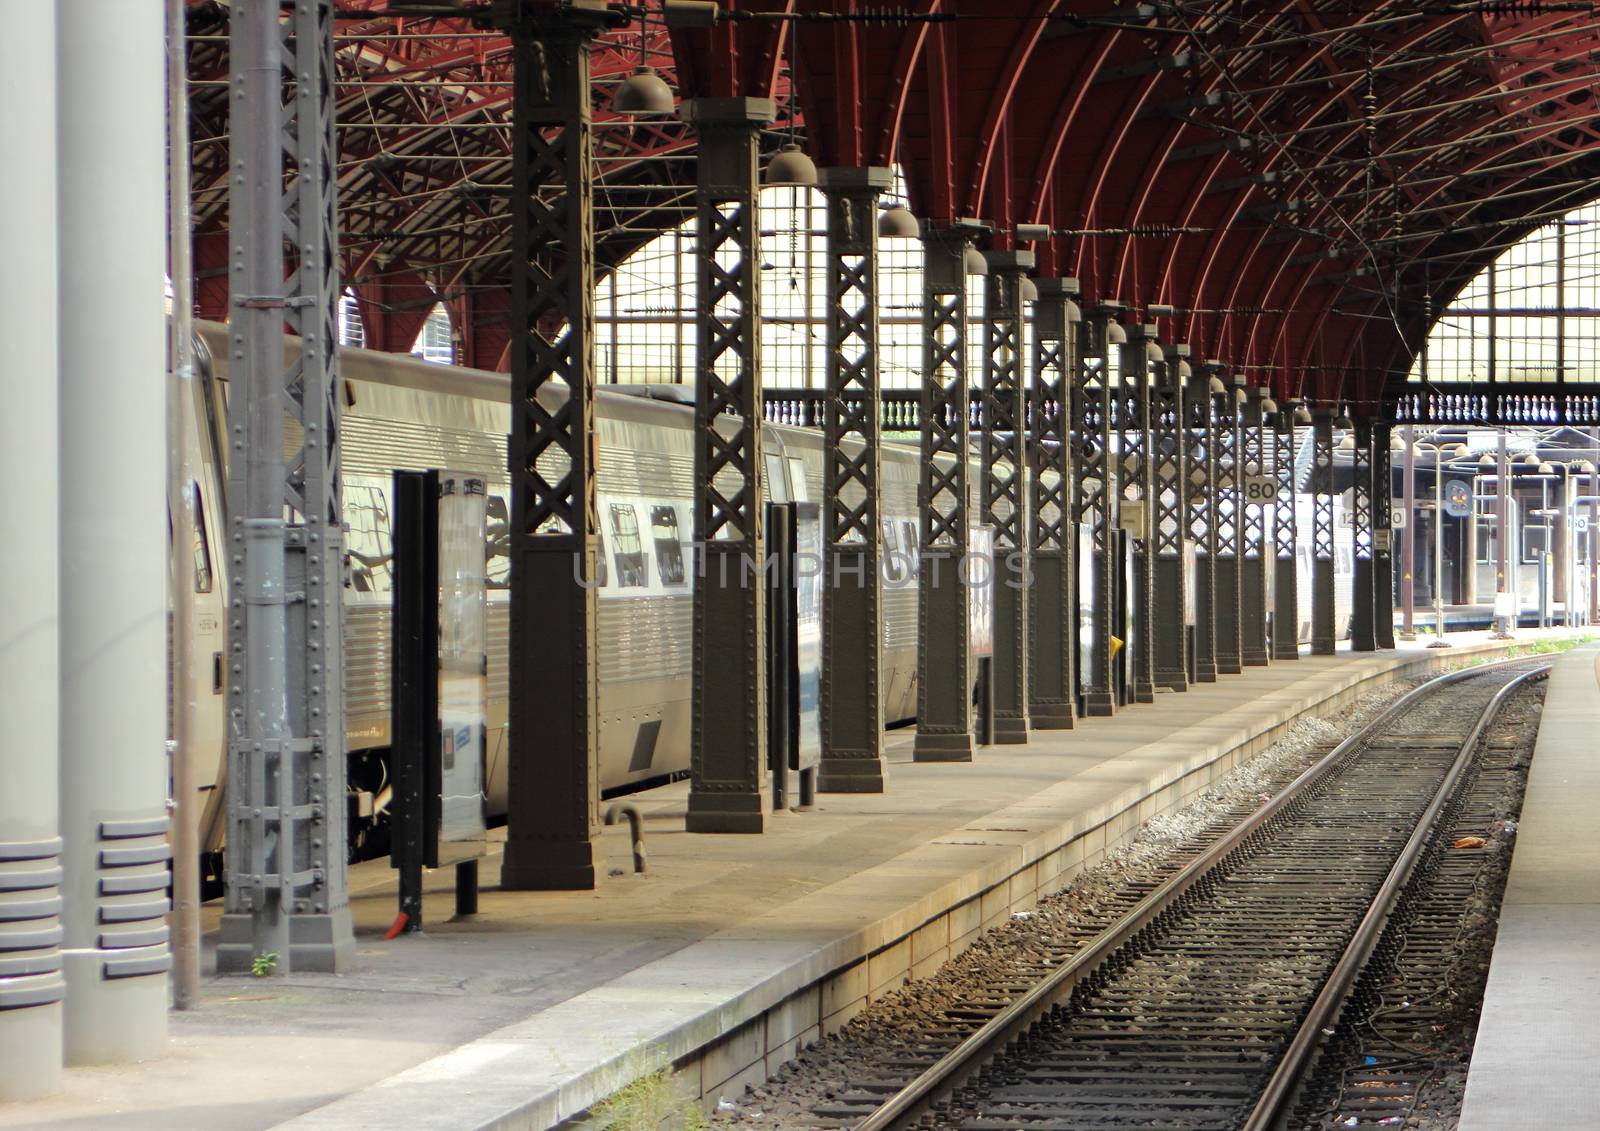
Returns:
(901, 409)
(1478, 404)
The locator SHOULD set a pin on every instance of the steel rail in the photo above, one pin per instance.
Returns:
(937, 1082)
(1277, 1100)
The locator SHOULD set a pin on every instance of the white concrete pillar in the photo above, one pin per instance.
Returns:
(31, 986)
(111, 123)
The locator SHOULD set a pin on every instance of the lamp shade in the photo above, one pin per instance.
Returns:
(1302, 414)
(897, 223)
(975, 263)
(790, 166)
(643, 92)
(1028, 290)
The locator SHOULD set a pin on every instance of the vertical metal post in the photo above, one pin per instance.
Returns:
(553, 763)
(111, 556)
(31, 986)
(852, 490)
(1142, 361)
(1200, 408)
(1408, 538)
(1382, 533)
(188, 800)
(1052, 617)
(1285, 580)
(1323, 642)
(1004, 495)
(1230, 528)
(1363, 636)
(286, 775)
(1503, 584)
(1096, 503)
(944, 655)
(1256, 467)
(1169, 523)
(729, 789)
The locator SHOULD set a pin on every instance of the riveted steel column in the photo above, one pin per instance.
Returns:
(944, 659)
(1170, 520)
(1363, 637)
(1382, 536)
(1285, 585)
(1097, 502)
(286, 772)
(1230, 529)
(1142, 357)
(1052, 617)
(1004, 495)
(1323, 641)
(729, 787)
(852, 644)
(1200, 411)
(1256, 467)
(31, 986)
(111, 557)
(553, 763)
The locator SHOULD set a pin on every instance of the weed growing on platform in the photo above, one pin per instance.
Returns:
(263, 964)
(650, 1103)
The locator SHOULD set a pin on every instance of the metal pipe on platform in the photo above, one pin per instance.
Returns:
(113, 549)
(31, 986)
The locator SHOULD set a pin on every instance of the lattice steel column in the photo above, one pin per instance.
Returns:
(944, 655)
(1255, 461)
(729, 788)
(1170, 520)
(1097, 501)
(852, 644)
(1362, 635)
(1230, 529)
(1200, 411)
(553, 767)
(1142, 358)
(286, 768)
(1323, 641)
(1382, 535)
(1052, 617)
(1285, 585)
(1003, 494)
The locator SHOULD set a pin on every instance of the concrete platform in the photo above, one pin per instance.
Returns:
(1533, 1065)
(721, 960)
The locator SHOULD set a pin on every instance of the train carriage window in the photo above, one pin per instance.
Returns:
(204, 579)
(895, 567)
(1342, 560)
(497, 552)
(909, 544)
(777, 483)
(628, 552)
(669, 543)
(371, 548)
(797, 480)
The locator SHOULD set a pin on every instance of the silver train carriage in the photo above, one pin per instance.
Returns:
(404, 413)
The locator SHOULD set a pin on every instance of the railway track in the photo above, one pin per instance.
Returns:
(1210, 1000)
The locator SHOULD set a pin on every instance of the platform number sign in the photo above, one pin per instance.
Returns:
(1261, 489)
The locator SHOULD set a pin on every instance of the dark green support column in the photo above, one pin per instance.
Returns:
(1004, 501)
(1230, 529)
(1098, 494)
(1363, 637)
(1142, 362)
(1200, 409)
(1323, 641)
(729, 785)
(1052, 616)
(1169, 524)
(944, 653)
(1285, 587)
(1382, 536)
(852, 638)
(1255, 490)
